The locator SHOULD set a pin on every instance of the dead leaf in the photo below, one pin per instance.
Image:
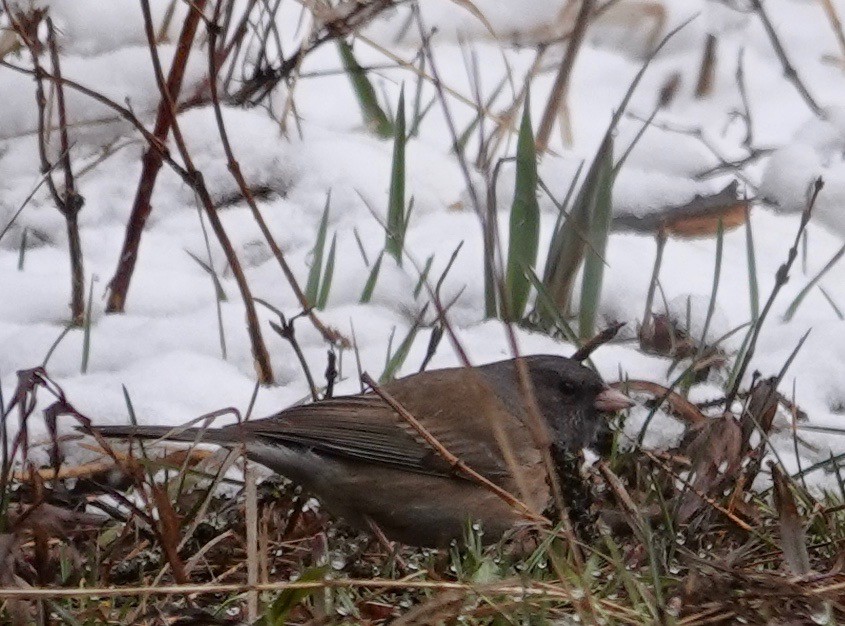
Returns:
(678, 406)
(700, 217)
(716, 452)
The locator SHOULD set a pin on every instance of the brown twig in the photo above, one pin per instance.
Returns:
(72, 201)
(781, 277)
(151, 164)
(557, 103)
(195, 179)
(835, 23)
(68, 201)
(329, 334)
(596, 342)
(285, 329)
(456, 463)
(788, 69)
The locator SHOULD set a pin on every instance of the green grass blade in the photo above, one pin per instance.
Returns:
(423, 275)
(312, 287)
(599, 227)
(326, 285)
(832, 304)
(374, 116)
(793, 307)
(396, 220)
(370, 285)
(463, 139)
(218, 286)
(397, 359)
(22, 251)
(278, 612)
(717, 275)
(86, 329)
(753, 287)
(568, 244)
(418, 119)
(547, 311)
(524, 222)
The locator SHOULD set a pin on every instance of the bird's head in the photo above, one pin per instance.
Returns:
(571, 397)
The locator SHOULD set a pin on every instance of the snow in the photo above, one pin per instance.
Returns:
(166, 347)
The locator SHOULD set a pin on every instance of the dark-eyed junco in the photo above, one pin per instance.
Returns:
(367, 464)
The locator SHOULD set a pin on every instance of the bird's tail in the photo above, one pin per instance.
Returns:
(166, 433)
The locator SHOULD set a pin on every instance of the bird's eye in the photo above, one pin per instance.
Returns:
(567, 388)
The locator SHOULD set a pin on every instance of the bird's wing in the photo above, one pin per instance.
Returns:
(365, 428)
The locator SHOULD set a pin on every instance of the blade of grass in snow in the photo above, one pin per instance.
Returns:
(418, 91)
(717, 275)
(370, 285)
(832, 304)
(753, 287)
(464, 137)
(418, 119)
(567, 247)
(374, 116)
(86, 330)
(361, 246)
(635, 141)
(793, 307)
(326, 284)
(599, 227)
(547, 310)
(218, 286)
(22, 251)
(524, 223)
(568, 243)
(396, 220)
(397, 359)
(220, 294)
(562, 207)
(312, 287)
(423, 275)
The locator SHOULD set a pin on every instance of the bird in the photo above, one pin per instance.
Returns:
(368, 465)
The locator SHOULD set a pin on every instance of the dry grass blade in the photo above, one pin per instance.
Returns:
(444, 607)
(760, 410)
(792, 537)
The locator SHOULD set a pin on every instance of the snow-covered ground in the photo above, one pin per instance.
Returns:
(166, 348)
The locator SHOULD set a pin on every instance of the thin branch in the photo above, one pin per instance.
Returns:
(195, 179)
(329, 334)
(151, 164)
(557, 102)
(788, 69)
(781, 277)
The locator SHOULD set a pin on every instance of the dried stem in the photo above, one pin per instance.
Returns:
(781, 278)
(557, 102)
(69, 202)
(329, 334)
(835, 23)
(597, 341)
(151, 163)
(195, 179)
(788, 68)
